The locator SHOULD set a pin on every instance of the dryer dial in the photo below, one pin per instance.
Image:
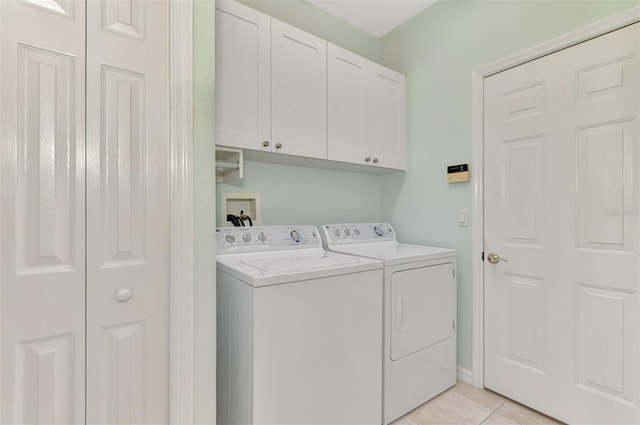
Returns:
(262, 237)
(230, 238)
(378, 231)
(246, 237)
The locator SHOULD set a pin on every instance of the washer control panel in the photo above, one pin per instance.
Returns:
(267, 238)
(337, 234)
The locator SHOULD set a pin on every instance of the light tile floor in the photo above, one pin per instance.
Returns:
(467, 405)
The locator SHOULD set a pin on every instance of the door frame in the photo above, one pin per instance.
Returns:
(181, 320)
(478, 75)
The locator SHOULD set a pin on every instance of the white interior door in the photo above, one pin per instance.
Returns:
(42, 218)
(127, 212)
(561, 206)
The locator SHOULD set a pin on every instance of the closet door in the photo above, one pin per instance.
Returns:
(42, 271)
(127, 211)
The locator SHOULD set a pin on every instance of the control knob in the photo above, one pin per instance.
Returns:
(230, 238)
(347, 232)
(336, 232)
(356, 232)
(296, 236)
(262, 237)
(378, 231)
(246, 237)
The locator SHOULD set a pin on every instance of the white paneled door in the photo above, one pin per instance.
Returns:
(127, 211)
(42, 237)
(84, 219)
(562, 208)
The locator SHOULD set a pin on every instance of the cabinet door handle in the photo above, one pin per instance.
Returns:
(368, 159)
(278, 145)
(375, 160)
(265, 143)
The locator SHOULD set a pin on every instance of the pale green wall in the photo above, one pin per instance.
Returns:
(204, 210)
(437, 50)
(318, 22)
(295, 195)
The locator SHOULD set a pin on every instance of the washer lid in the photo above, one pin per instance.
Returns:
(393, 253)
(272, 268)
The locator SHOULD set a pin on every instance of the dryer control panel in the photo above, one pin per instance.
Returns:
(339, 234)
(266, 238)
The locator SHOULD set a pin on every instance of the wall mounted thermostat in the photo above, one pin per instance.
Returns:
(458, 173)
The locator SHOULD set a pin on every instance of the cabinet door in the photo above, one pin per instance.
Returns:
(347, 106)
(299, 91)
(243, 109)
(42, 243)
(386, 120)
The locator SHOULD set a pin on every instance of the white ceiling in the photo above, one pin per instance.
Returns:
(377, 17)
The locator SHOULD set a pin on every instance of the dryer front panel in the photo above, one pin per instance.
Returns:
(422, 308)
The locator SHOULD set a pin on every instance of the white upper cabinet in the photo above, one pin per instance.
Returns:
(298, 92)
(347, 106)
(366, 111)
(280, 89)
(243, 76)
(386, 119)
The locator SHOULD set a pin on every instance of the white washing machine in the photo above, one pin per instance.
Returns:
(299, 338)
(419, 309)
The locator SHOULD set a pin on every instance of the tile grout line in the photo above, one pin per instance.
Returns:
(478, 403)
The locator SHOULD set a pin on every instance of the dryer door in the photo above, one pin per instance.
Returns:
(421, 308)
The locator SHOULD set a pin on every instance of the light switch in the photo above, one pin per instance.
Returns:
(463, 217)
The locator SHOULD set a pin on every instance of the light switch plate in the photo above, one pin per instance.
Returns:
(463, 217)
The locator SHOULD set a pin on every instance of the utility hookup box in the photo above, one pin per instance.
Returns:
(458, 173)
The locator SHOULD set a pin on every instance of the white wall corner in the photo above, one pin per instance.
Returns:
(465, 375)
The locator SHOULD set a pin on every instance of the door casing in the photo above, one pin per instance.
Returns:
(181, 281)
(478, 75)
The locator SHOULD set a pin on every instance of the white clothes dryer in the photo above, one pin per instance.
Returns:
(298, 330)
(420, 296)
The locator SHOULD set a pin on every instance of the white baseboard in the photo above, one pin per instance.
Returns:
(465, 375)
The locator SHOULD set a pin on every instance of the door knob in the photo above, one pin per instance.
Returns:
(375, 160)
(278, 145)
(123, 295)
(494, 258)
(368, 159)
(265, 143)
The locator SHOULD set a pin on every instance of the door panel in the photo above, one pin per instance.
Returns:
(42, 216)
(561, 204)
(347, 105)
(299, 91)
(243, 99)
(387, 117)
(127, 212)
